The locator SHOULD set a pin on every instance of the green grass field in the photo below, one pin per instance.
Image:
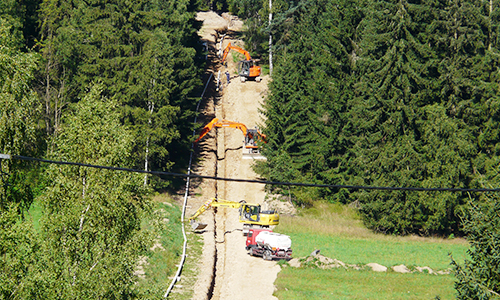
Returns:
(351, 284)
(339, 233)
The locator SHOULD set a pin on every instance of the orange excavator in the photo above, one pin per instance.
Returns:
(246, 68)
(251, 135)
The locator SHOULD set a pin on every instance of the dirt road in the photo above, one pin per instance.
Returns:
(226, 270)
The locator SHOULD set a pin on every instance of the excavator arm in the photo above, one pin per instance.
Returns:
(251, 135)
(221, 123)
(214, 202)
(237, 49)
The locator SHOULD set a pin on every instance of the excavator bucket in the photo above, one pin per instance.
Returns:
(198, 226)
(253, 155)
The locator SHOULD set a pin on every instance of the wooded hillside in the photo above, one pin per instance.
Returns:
(384, 94)
(389, 94)
(96, 82)
(373, 93)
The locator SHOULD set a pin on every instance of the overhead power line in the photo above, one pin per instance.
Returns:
(333, 186)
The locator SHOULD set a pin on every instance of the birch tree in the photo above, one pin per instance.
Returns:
(91, 225)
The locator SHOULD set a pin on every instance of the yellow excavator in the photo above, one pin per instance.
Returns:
(246, 68)
(249, 214)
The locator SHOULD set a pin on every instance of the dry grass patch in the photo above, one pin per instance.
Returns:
(338, 231)
(344, 221)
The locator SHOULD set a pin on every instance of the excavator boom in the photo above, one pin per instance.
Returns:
(221, 123)
(251, 135)
(237, 49)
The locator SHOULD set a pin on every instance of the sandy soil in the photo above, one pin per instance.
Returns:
(237, 275)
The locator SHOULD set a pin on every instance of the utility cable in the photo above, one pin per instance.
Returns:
(333, 186)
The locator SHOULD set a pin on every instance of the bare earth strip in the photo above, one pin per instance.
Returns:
(238, 275)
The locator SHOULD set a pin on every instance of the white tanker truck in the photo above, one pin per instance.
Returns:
(270, 245)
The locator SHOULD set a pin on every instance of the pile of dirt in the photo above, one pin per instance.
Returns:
(211, 22)
(280, 203)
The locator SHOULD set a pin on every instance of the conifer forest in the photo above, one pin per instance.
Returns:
(364, 93)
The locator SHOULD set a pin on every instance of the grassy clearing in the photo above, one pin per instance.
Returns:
(185, 288)
(339, 233)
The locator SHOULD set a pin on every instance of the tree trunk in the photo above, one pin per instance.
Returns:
(270, 39)
(491, 27)
(151, 106)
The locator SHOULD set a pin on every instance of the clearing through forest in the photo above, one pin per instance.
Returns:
(226, 271)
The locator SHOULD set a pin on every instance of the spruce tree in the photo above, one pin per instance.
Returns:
(393, 129)
(308, 92)
(144, 55)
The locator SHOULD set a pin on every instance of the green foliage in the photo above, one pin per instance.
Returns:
(18, 118)
(18, 252)
(91, 226)
(24, 17)
(388, 94)
(88, 241)
(144, 55)
(309, 92)
(477, 277)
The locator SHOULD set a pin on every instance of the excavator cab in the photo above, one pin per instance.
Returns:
(247, 69)
(250, 213)
(251, 140)
(244, 67)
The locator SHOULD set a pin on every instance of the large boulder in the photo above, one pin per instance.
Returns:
(376, 267)
(401, 269)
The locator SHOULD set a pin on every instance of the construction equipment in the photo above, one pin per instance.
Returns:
(270, 245)
(246, 68)
(249, 214)
(251, 135)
